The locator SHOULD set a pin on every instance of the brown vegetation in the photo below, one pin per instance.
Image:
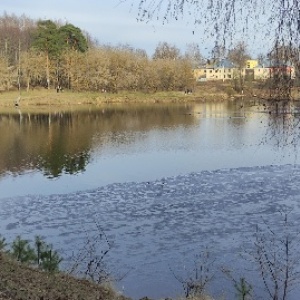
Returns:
(18, 281)
(45, 54)
(44, 99)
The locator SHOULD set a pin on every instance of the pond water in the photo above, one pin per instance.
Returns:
(156, 185)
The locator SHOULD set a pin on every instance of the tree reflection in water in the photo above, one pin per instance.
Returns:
(59, 143)
(283, 124)
(48, 142)
(55, 165)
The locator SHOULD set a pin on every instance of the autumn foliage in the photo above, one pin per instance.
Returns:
(48, 54)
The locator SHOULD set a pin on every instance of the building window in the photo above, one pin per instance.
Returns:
(229, 70)
(229, 76)
(216, 71)
(210, 71)
(204, 71)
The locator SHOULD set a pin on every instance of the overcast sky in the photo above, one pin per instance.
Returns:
(114, 22)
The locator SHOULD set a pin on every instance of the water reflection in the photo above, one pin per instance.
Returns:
(61, 142)
(48, 142)
(142, 142)
(283, 124)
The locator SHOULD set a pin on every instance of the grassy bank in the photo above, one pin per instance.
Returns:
(203, 91)
(19, 282)
(31, 270)
(45, 98)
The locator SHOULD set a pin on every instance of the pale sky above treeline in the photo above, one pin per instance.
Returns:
(115, 22)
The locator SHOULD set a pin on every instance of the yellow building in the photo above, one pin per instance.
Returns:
(200, 74)
(225, 70)
(251, 63)
(213, 73)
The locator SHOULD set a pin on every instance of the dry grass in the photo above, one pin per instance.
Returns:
(44, 99)
(20, 282)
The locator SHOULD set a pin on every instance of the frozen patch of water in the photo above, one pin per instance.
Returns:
(156, 228)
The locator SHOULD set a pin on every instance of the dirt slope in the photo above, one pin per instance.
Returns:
(20, 282)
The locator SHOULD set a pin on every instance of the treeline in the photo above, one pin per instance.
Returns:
(54, 55)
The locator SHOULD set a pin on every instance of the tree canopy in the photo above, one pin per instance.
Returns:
(47, 39)
(72, 38)
(193, 54)
(53, 39)
(166, 51)
(238, 55)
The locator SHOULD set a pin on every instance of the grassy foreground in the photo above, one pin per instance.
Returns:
(19, 282)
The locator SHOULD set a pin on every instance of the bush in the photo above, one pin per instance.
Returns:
(22, 251)
(41, 254)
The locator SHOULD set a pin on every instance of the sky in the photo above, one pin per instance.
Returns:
(114, 22)
(109, 21)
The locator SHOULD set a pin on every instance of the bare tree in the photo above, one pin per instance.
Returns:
(225, 17)
(196, 283)
(275, 253)
(15, 35)
(166, 51)
(90, 262)
(238, 56)
(193, 54)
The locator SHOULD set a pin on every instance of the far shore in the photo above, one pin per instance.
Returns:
(43, 99)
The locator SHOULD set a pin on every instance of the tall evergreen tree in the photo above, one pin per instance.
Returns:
(73, 38)
(47, 40)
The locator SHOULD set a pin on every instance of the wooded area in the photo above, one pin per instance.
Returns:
(50, 54)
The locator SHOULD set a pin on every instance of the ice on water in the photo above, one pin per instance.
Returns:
(153, 226)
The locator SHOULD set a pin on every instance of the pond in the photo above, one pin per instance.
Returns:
(156, 185)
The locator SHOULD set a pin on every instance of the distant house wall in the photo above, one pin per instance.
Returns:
(282, 71)
(213, 73)
(200, 74)
(209, 74)
(261, 73)
(252, 71)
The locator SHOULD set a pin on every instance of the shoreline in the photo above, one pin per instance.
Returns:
(41, 98)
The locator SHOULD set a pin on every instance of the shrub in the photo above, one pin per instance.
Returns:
(22, 251)
(41, 254)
